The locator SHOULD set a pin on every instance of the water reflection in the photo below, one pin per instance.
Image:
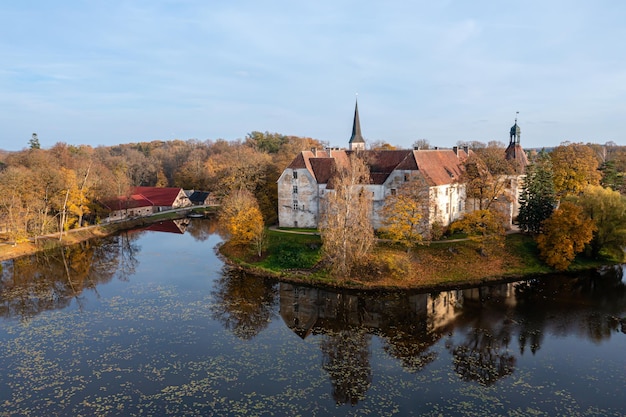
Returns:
(244, 304)
(51, 279)
(480, 335)
(485, 329)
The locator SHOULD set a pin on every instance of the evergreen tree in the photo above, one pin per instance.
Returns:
(538, 198)
(611, 176)
(34, 142)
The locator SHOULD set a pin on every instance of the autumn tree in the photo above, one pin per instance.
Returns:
(607, 209)
(483, 226)
(403, 213)
(538, 197)
(242, 220)
(345, 225)
(575, 166)
(15, 210)
(485, 178)
(565, 234)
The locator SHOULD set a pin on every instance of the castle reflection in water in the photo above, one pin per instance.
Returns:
(308, 310)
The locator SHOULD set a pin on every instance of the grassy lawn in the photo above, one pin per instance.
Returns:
(439, 263)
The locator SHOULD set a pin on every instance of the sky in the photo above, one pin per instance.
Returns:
(108, 72)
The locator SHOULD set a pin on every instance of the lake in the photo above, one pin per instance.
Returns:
(152, 323)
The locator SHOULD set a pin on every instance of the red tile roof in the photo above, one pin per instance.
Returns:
(439, 166)
(159, 196)
(125, 203)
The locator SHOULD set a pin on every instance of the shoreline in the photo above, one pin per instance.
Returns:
(305, 278)
(9, 251)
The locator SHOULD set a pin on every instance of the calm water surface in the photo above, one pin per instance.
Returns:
(151, 323)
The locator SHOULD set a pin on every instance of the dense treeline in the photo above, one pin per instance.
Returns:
(47, 190)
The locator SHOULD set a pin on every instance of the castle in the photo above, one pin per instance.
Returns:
(303, 185)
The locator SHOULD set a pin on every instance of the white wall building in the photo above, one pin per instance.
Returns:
(303, 185)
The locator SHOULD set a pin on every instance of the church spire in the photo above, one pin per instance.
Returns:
(356, 140)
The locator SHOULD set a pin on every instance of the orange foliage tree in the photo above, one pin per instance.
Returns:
(565, 234)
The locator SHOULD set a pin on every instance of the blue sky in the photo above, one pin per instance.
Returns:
(110, 72)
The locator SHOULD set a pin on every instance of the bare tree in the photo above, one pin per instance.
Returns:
(345, 228)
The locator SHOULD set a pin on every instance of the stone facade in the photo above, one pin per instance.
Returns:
(304, 184)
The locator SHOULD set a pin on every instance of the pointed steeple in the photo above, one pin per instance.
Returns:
(356, 140)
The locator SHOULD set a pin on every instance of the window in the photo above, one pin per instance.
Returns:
(447, 208)
(295, 204)
(295, 175)
(393, 191)
(295, 223)
(295, 189)
(406, 177)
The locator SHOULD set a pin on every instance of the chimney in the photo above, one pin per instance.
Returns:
(455, 149)
(314, 150)
(416, 148)
(466, 149)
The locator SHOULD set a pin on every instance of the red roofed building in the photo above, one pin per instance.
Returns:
(144, 201)
(164, 198)
(304, 183)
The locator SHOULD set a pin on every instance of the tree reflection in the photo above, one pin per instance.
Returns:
(347, 361)
(127, 260)
(201, 229)
(51, 279)
(483, 357)
(244, 304)
(409, 332)
(410, 350)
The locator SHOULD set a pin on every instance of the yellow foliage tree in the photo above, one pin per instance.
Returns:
(607, 208)
(242, 220)
(482, 226)
(565, 234)
(403, 212)
(575, 166)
